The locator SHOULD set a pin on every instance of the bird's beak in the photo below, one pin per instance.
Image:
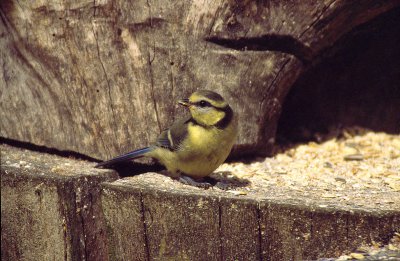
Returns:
(184, 102)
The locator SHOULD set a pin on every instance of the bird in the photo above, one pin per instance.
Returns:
(194, 146)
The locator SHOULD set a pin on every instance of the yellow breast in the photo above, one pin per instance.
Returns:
(202, 151)
(205, 149)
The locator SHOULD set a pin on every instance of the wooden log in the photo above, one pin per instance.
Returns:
(101, 78)
(246, 227)
(173, 228)
(240, 229)
(56, 208)
(287, 231)
(126, 227)
(50, 207)
(329, 230)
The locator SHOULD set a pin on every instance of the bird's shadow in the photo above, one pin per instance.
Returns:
(131, 168)
(226, 180)
(221, 179)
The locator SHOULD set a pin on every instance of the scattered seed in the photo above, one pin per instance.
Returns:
(392, 247)
(328, 196)
(357, 156)
(340, 179)
(237, 192)
(357, 256)
(327, 164)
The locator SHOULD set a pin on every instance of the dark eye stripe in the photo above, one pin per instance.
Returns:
(203, 104)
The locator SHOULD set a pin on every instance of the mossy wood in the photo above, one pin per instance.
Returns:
(102, 77)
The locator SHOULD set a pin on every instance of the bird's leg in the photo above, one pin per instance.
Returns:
(189, 181)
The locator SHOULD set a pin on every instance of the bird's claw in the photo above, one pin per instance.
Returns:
(189, 181)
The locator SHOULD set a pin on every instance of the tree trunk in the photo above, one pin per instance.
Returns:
(102, 77)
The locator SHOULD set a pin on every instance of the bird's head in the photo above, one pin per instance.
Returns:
(208, 108)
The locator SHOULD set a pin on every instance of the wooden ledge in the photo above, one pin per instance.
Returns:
(55, 207)
(50, 207)
(170, 220)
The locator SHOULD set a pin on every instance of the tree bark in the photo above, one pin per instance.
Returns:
(102, 77)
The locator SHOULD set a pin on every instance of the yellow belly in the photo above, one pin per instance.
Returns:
(201, 153)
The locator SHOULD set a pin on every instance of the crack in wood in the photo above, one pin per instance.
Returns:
(78, 209)
(146, 240)
(318, 18)
(172, 79)
(269, 42)
(65, 236)
(80, 74)
(44, 149)
(67, 223)
(83, 81)
(150, 62)
(220, 233)
(258, 211)
(311, 231)
(107, 81)
(347, 231)
(94, 8)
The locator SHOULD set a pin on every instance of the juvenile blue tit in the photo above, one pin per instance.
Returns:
(194, 146)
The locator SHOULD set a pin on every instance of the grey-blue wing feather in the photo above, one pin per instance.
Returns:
(172, 138)
(125, 157)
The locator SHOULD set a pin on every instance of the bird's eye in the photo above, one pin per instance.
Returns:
(203, 103)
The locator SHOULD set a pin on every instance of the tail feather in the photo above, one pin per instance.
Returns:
(125, 157)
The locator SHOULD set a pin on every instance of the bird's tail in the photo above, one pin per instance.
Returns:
(125, 157)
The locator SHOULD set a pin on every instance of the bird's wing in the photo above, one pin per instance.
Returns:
(125, 157)
(173, 137)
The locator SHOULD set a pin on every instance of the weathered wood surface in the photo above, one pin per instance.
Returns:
(180, 222)
(50, 208)
(102, 77)
(55, 208)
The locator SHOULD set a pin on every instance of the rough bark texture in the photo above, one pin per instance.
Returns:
(50, 208)
(102, 77)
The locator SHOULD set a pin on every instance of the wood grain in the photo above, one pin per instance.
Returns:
(59, 208)
(101, 78)
(189, 223)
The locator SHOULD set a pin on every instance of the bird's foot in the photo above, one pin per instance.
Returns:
(189, 181)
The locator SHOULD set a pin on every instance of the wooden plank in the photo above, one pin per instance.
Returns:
(365, 228)
(31, 222)
(285, 231)
(183, 222)
(240, 231)
(50, 208)
(328, 235)
(124, 218)
(181, 227)
(57, 202)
